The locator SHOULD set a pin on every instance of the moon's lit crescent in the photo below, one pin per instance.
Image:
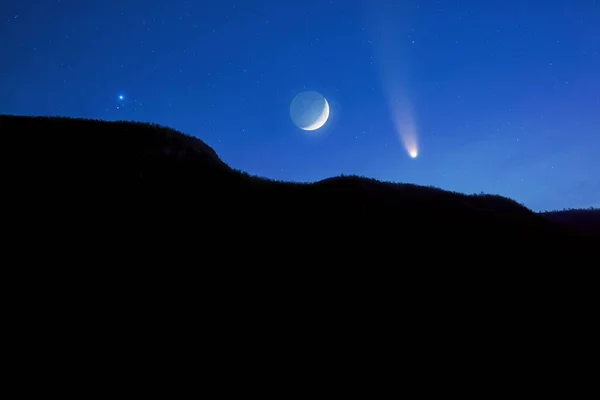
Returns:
(320, 121)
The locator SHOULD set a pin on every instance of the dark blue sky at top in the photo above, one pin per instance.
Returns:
(505, 94)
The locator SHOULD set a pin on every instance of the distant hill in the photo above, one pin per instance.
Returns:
(157, 183)
(584, 221)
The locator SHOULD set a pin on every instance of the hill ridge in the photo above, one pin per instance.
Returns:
(168, 168)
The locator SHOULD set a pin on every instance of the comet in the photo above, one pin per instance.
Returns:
(388, 25)
(404, 123)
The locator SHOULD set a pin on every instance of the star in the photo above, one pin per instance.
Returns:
(121, 97)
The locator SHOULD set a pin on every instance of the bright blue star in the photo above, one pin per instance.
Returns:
(121, 97)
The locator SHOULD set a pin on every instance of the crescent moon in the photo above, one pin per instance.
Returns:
(320, 121)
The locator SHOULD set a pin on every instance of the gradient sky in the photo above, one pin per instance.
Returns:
(504, 95)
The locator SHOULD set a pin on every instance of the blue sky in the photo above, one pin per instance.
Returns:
(504, 95)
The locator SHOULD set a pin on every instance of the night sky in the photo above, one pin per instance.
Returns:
(499, 97)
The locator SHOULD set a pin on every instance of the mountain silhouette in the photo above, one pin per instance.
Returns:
(134, 234)
(147, 181)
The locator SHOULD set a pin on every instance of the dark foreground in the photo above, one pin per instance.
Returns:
(152, 248)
